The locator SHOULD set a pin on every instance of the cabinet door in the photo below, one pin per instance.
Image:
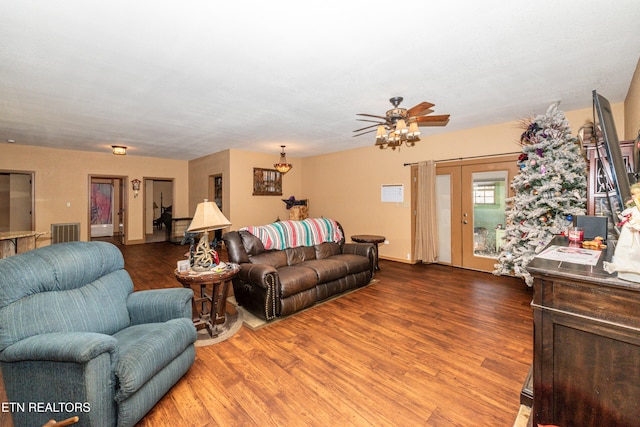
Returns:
(599, 186)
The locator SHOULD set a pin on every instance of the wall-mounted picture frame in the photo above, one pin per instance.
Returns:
(267, 182)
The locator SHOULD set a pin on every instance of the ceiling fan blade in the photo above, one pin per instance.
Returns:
(441, 120)
(420, 109)
(424, 113)
(371, 121)
(364, 133)
(371, 115)
(368, 127)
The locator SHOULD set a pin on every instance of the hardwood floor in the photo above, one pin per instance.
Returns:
(426, 345)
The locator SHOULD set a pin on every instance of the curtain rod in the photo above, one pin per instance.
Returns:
(467, 158)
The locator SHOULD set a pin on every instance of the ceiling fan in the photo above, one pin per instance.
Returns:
(400, 124)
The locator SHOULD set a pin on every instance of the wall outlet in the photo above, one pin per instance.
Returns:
(68, 204)
(386, 242)
(409, 257)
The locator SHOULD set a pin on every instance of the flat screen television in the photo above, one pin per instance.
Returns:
(619, 176)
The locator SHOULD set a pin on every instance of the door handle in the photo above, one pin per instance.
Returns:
(465, 222)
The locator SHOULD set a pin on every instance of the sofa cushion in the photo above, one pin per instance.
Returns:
(251, 243)
(275, 259)
(327, 249)
(326, 269)
(296, 279)
(354, 263)
(300, 254)
(145, 349)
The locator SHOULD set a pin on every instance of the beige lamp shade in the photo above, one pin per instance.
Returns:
(208, 217)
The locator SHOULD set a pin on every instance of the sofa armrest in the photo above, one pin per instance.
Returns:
(74, 347)
(260, 274)
(159, 305)
(364, 249)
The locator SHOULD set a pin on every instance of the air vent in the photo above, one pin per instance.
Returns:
(69, 232)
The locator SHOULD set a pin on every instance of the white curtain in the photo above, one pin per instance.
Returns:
(426, 241)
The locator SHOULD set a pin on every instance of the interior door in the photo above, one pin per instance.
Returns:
(485, 188)
(471, 205)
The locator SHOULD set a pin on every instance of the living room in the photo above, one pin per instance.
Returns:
(343, 184)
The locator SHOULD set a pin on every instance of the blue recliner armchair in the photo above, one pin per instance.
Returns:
(76, 340)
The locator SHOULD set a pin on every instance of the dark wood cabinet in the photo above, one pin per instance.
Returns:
(586, 368)
(598, 185)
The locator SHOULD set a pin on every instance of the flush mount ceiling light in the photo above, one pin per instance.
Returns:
(119, 150)
(400, 125)
(282, 166)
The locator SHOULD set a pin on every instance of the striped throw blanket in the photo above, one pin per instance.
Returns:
(291, 234)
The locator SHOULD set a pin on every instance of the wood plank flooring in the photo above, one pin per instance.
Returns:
(426, 345)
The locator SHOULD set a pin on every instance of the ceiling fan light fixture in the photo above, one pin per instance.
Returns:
(282, 166)
(401, 127)
(381, 135)
(414, 132)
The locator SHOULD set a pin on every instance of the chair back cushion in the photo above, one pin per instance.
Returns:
(66, 287)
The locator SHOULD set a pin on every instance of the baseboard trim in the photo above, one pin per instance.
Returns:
(135, 242)
(404, 261)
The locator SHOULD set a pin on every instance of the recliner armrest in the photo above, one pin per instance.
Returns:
(159, 305)
(75, 347)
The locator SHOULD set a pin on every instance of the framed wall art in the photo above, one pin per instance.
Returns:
(267, 182)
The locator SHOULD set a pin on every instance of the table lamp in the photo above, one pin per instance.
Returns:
(207, 217)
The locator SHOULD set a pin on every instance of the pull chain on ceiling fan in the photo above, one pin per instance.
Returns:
(401, 125)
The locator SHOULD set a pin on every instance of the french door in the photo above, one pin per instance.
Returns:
(471, 205)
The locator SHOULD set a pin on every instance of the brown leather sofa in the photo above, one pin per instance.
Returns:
(278, 283)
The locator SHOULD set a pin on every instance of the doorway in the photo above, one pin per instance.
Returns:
(107, 208)
(215, 194)
(471, 205)
(16, 201)
(158, 203)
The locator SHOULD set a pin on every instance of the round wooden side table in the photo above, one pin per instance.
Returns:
(370, 238)
(210, 290)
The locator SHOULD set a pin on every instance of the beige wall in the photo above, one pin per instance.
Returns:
(62, 177)
(247, 209)
(239, 204)
(632, 108)
(346, 186)
(199, 172)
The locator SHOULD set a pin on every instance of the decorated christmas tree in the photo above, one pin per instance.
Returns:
(549, 191)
